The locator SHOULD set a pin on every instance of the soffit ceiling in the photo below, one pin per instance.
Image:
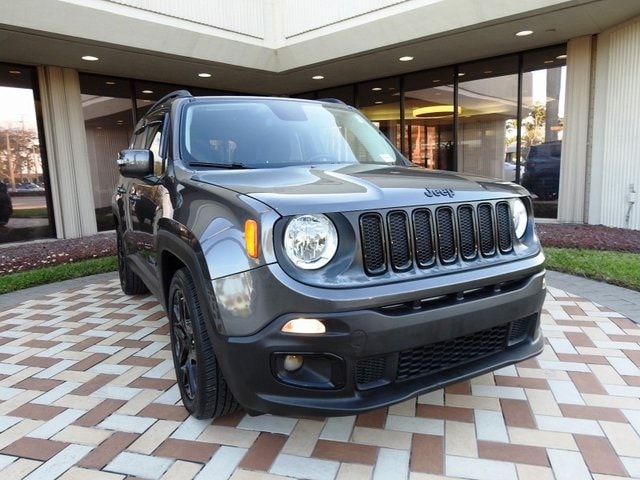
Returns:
(552, 25)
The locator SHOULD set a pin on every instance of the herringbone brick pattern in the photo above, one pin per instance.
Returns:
(87, 391)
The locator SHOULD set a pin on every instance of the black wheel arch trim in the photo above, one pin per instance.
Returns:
(175, 240)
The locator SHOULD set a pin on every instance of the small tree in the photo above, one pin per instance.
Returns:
(19, 155)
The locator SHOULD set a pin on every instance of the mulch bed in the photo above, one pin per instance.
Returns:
(32, 255)
(46, 253)
(593, 237)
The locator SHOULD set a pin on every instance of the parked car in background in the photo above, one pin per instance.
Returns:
(307, 267)
(26, 187)
(542, 170)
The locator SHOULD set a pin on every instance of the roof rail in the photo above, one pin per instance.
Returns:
(169, 96)
(332, 100)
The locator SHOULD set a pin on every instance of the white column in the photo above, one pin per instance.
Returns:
(616, 149)
(575, 141)
(69, 170)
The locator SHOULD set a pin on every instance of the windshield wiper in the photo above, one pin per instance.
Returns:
(220, 165)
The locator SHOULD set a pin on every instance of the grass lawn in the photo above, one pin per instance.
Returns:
(57, 273)
(617, 268)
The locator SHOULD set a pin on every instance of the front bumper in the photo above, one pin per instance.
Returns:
(375, 356)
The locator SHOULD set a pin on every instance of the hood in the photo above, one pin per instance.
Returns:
(315, 189)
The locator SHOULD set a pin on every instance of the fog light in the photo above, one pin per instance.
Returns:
(293, 363)
(304, 325)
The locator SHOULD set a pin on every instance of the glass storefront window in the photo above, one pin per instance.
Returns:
(25, 212)
(108, 121)
(487, 110)
(380, 102)
(542, 126)
(429, 119)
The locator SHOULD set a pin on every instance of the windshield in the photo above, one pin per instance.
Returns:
(264, 133)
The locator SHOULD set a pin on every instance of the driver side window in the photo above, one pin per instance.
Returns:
(150, 137)
(155, 147)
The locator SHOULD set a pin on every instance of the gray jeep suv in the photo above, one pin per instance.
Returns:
(306, 267)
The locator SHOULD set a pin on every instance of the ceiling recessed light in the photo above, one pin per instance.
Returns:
(548, 62)
(406, 58)
(15, 72)
(318, 77)
(461, 74)
(147, 91)
(204, 75)
(487, 72)
(561, 57)
(90, 58)
(376, 89)
(110, 82)
(524, 33)
(436, 80)
(379, 102)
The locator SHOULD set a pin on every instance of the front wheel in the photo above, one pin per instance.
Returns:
(204, 391)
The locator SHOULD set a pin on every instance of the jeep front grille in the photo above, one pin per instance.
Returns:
(450, 353)
(440, 356)
(422, 237)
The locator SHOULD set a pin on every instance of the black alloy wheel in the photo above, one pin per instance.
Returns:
(203, 389)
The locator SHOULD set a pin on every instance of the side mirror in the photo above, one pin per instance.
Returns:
(137, 163)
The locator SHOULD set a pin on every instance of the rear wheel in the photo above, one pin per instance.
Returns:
(130, 282)
(204, 391)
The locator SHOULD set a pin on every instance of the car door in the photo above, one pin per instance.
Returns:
(148, 199)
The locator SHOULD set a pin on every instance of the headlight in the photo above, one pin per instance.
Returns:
(310, 241)
(519, 217)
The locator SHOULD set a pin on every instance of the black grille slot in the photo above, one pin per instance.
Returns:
(423, 237)
(450, 353)
(466, 226)
(504, 226)
(373, 244)
(370, 370)
(446, 235)
(399, 241)
(485, 228)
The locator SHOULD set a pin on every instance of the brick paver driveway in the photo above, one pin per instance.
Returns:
(87, 391)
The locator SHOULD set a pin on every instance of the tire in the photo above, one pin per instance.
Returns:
(130, 282)
(203, 389)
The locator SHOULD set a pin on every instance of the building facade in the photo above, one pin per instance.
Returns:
(543, 92)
